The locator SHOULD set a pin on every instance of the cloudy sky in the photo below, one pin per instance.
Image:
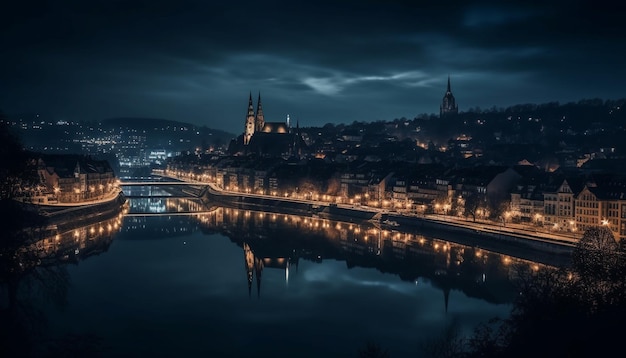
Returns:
(319, 61)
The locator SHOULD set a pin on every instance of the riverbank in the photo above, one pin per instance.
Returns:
(484, 234)
(62, 217)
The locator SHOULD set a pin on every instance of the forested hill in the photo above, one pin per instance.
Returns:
(582, 122)
(159, 131)
(152, 124)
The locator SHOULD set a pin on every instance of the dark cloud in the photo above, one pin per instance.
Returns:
(320, 61)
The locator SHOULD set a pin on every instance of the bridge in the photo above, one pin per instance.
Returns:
(156, 183)
(173, 196)
(173, 213)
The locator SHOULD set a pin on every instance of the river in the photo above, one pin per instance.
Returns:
(156, 281)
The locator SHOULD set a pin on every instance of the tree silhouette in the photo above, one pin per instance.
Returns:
(596, 253)
(373, 350)
(473, 202)
(14, 162)
(16, 173)
(562, 312)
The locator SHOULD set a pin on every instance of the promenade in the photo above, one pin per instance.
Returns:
(487, 227)
(55, 209)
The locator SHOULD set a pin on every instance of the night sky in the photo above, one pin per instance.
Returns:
(319, 61)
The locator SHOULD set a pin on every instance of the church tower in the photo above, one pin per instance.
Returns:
(250, 122)
(259, 120)
(448, 105)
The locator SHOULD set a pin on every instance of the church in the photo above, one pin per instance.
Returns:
(448, 106)
(267, 138)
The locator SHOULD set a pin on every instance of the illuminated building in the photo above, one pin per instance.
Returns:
(267, 138)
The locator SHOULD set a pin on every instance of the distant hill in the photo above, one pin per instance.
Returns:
(170, 134)
(153, 123)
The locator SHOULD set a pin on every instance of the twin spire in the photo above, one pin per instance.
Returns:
(254, 120)
(259, 119)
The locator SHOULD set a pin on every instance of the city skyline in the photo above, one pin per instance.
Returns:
(320, 63)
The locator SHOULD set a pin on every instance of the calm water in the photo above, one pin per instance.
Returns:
(235, 283)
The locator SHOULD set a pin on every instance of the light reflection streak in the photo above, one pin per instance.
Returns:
(275, 240)
(66, 242)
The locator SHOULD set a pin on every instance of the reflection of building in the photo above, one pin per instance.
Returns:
(255, 266)
(274, 240)
(74, 239)
(448, 105)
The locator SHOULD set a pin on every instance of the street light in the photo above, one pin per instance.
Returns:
(572, 226)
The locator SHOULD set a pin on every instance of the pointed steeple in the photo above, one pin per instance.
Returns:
(249, 125)
(448, 105)
(249, 263)
(259, 120)
(258, 266)
(250, 105)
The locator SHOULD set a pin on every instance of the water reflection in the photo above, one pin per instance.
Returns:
(279, 241)
(33, 277)
(229, 268)
(142, 206)
(269, 244)
(271, 240)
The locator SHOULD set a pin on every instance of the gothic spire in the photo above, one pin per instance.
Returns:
(448, 105)
(249, 124)
(250, 106)
(259, 119)
(259, 107)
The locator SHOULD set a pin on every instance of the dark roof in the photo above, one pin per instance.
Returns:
(64, 165)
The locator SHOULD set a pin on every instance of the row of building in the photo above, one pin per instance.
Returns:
(525, 194)
(66, 179)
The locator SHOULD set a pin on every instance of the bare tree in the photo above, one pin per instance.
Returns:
(596, 253)
(473, 202)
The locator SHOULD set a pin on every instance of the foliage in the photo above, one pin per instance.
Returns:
(562, 312)
(450, 344)
(473, 202)
(373, 350)
(596, 252)
(16, 174)
(14, 163)
(497, 207)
